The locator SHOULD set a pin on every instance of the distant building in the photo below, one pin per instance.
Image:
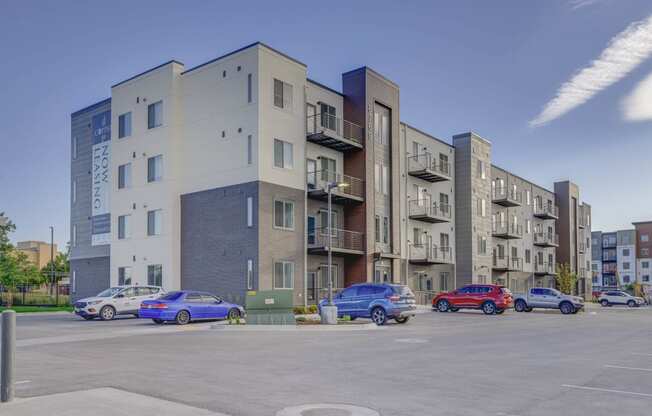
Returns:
(38, 252)
(643, 251)
(622, 257)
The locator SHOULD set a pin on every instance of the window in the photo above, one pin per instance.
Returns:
(480, 171)
(443, 163)
(73, 283)
(626, 279)
(74, 235)
(250, 274)
(155, 168)
(154, 222)
(250, 211)
(323, 219)
(482, 207)
(155, 275)
(124, 125)
(284, 214)
(283, 275)
(249, 88)
(645, 264)
(528, 255)
(482, 244)
(74, 191)
(385, 230)
(527, 196)
(283, 154)
(626, 252)
(250, 150)
(377, 228)
(328, 169)
(124, 176)
(646, 278)
(328, 117)
(626, 265)
(645, 252)
(123, 227)
(381, 124)
(385, 180)
(155, 115)
(645, 238)
(282, 94)
(528, 226)
(124, 276)
(74, 147)
(377, 181)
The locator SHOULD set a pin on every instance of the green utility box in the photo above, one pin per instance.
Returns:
(270, 307)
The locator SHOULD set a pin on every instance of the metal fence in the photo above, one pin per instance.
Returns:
(36, 295)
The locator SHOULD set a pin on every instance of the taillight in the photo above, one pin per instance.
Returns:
(394, 298)
(153, 306)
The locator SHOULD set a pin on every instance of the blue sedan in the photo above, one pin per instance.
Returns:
(184, 306)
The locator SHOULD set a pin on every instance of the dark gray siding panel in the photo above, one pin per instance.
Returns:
(91, 276)
(216, 241)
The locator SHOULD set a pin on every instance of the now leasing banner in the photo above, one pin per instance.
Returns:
(101, 186)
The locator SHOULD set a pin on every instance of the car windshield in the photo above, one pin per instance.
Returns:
(109, 292)
(506, 291)
(172, 296)
(403, 291)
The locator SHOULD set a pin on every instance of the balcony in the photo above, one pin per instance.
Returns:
(581, 248)
(425, 210)
(507, 264)
(429, 253)
(507, 198)
(344, 242)
(550, 212)
(331, 131)
(317, 185)
(546, 240)
(543, 269)
(507, 231)
(426, 167)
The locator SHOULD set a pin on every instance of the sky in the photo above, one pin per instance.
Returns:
(562, 88)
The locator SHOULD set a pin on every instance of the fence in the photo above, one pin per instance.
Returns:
(36, 295)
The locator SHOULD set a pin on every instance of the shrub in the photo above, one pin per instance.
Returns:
(312, 309)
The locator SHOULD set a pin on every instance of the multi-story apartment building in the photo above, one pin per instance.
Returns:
(39, 253)
(217, 178)
(613, 258)
(643, 249)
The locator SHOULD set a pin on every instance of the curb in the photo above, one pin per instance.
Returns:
(297, 328)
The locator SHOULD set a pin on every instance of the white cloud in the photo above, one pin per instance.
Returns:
(637, 106)
(624, 53)
(578, 4)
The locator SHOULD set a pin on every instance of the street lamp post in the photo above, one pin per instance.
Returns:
(52, 282)
(329, 313)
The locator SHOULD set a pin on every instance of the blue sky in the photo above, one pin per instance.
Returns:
(490, 67)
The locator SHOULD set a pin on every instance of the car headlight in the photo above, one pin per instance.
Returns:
(93, 302)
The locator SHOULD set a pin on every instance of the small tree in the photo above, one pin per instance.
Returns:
(565, 278)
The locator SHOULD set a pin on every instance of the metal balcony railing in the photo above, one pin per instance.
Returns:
(328, 129)
(507, 230)
(507, 197)
(425, 210)
(544, 268)
(428, 167)
(342, 239)
(318, 182)
(546, 239)
(430, 253)
(546, 211)
(507, 263)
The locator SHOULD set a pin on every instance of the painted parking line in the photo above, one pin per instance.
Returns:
(23, 382)
(628, 368)
(642, 353)
(631, 393)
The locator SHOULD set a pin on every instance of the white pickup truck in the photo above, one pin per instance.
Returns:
(542, 297)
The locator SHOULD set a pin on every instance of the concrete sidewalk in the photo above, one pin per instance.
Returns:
(99, 402)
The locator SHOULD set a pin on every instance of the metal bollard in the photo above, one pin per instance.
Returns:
(8, 356)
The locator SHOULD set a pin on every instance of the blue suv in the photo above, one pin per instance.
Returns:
(378, 301)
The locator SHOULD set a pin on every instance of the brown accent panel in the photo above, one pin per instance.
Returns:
(355, 270)
(643, 228)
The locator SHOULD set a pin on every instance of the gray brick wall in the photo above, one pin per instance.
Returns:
(216, 241)
(91, 276)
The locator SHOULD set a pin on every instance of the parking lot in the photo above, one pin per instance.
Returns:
(598, 362)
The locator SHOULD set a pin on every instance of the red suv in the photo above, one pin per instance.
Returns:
(489, 298)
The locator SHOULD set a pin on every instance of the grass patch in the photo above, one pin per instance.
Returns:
(36, 309)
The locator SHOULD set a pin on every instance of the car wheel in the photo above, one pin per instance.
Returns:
(631, 304)
(157, 321)
(443, 305)
(454, 309)
(566, 308)
(88, 318)
(379, 316)
(520, 306)
(402, 320)
(183, 317)
(500, 311)
(234, 314)
(107, 313)
(604, 302)
(575, 311)
(489, 308)
(528, 309)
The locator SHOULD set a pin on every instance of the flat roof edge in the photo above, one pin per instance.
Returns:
(91, 107)
(145, 72)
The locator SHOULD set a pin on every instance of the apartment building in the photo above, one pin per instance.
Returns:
(218, 177)
(614, 262)
(643, 250)
(39, 253)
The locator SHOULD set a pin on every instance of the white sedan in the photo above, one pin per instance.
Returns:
(618, 297)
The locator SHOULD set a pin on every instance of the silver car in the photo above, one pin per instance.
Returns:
(618, 297)
(547, 298)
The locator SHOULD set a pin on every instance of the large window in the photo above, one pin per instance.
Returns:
(155, 115)
(283, 275)
(328, 116)
(124, 125)
(323, 219)
(124, 276)
(382, 132)
(124, 176)
(155, 275)
(154, 222)
(385, 230)
(328, 169)
(250, 274)
(250, 211)
(385, 180)
(482, 245)
(282, 94)
(249, 88)
(155, 168)
(124, 230)
(283, 154)
(284, 214)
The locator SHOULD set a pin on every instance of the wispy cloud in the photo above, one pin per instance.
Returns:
(578, 4)
(637, 106)
(624, 52)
